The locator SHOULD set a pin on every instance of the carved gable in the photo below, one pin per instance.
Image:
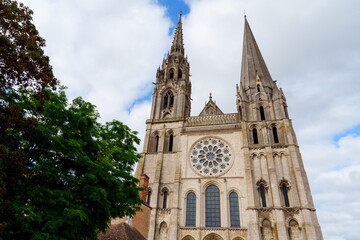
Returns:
(211, 108)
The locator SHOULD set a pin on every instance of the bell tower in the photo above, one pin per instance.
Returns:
(171, 98)
(279, 196)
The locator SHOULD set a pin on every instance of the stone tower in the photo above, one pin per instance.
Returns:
(236, 176)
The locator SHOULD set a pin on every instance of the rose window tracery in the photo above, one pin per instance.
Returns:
(211, 157)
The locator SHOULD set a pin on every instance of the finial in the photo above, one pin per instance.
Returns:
(210, 97)
(244, 13)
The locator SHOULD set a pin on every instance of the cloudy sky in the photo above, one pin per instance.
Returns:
(107, 51)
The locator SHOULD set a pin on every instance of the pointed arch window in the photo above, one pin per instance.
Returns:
(262, 192)
(165, 198)
(148, 198)
(171, 74)
(157, 143)
(255, 136)
(284, 191)
(171, 142)
(262, 113)
(258, 87)
(179, 74)
(275, 134)
(234, 210)
(154, 142)
(212, 207)
(190, 210)
(168, 100)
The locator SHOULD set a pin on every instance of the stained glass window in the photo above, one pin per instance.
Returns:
(191, 210)
(262, 195)
(234, 210)
(212, 206)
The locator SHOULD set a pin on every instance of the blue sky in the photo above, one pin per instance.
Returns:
(108, 52)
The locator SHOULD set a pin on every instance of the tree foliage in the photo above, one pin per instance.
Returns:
(63, 174)
(24, 73)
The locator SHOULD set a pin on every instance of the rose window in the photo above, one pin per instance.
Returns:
(211, 157)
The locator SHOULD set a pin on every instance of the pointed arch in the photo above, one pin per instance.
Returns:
(165, 198)
(179, 73)
(213, 236)
(154, 141)
(284, 189)
(294, 230)
(188, 237)
(148, 197)
(262, 113)
(169, 141)
(163, 231)
(168, 100)
(266, 230)
(171, 73)
(262, 188)
(255, 136)
(275, 134)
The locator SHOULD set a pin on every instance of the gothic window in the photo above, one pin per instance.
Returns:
(262, 113)
(171, 142)
(255, 136)
(258, 87)
(212, 206)
(240, 113)
(156, 143)
(284, 191)
(171, 74)
(168, 100)
(165, 198)
(234, 210)
(179, 74)
(262, 193)
(191, 210)
(148, 198)
(275, 134)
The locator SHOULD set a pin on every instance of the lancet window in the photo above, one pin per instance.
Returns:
(262, 113)
(212, 206)
(255, 136)
(275, 134)
(168, 100)
(191, 210)
(234, 210)
(284, 188)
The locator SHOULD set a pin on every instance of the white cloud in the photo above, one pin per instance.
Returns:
(108, 52)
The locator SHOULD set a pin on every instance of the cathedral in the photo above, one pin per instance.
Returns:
(223, 176)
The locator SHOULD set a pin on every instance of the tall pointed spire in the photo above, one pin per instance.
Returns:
(253, 68)
(178, 44)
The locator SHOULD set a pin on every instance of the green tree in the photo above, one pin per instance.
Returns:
(23, 68)
(63, 174)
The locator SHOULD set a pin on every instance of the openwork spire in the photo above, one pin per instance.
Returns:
(253, 68)
(178, 44)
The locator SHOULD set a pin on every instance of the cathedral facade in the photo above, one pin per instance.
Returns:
(236, 176)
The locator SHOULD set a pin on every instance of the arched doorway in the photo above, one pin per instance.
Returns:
(188, 237)
(212, 236)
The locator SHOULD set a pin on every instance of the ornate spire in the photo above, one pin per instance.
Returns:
(253, 68)
(178, 44)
